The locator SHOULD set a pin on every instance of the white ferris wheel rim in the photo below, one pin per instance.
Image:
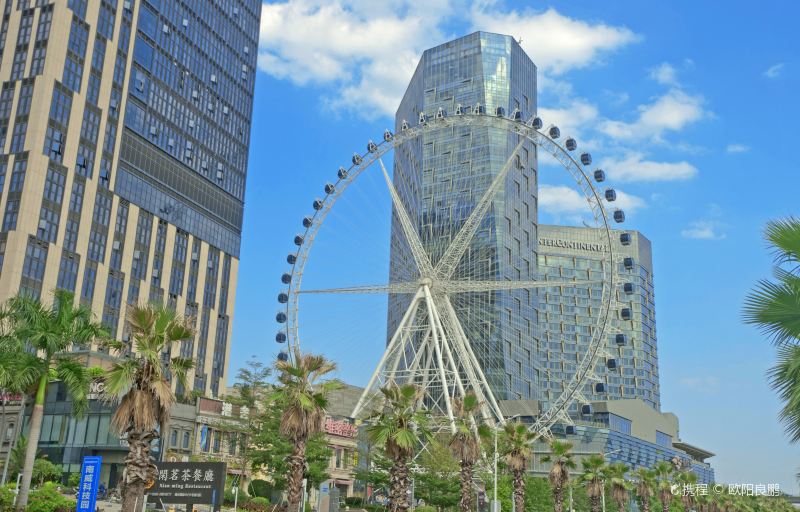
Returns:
(585, 368)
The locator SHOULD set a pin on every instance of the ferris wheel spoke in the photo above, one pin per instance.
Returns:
(449, 260)
(487, 286)
(410, 232)
(377, 288)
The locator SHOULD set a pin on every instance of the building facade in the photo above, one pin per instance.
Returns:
(622, 417)
(124, 130)
(442, 175)
(566, 315)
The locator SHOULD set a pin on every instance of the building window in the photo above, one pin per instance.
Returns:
(173, 438)
(68, 271)
(663, 439)
(60, 106)
(25, 97)
(619, 424)
(18, 137)
(89, 277)
(33, 268)
(73, 73)
(185, 441)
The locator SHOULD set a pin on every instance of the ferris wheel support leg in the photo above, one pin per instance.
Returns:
(439, 359)
(446, 345)
(389, 350)
(474, 382)
(498, 414)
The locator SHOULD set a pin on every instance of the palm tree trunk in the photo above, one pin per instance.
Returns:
(33, 443)
(467, 502)
(399, 482)
(558, 498)
(519, 490)
(297, 468)
(595, 503)
(139, 469)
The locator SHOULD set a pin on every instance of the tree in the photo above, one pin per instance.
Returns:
(251, 388)
(593, 479)
(687, 479)
(269, 451)
(142, 384)
(466, 445)
(435, 478)
(663, 474)
(645, 488)
(774, 307)
(398, 429)
(45, 471)
(305, 398)
(561, 458)
(517, 442)
(615, 476)
(50, 332)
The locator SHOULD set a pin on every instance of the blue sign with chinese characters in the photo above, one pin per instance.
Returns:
(90, 478)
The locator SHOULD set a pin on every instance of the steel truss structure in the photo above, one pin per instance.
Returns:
(430, 347)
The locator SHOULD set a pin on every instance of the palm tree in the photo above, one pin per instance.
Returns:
(663, 474)
(645, 487)
(49, 333)
(466, 446)
(687, 479)
(615, 475)
(305, 398)
(774, 306)
(142, 383)
(561, 457)
(518, 441)
(593, 475)
(398, 428)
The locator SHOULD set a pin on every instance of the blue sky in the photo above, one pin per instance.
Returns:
(689, 106)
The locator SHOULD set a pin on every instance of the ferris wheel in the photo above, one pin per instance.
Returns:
(426, 328)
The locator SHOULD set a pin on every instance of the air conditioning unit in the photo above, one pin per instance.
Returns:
(137, 254)
(185, 22)
(115, 245)
(165, 29)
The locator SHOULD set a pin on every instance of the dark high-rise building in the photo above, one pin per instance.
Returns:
(124, 132)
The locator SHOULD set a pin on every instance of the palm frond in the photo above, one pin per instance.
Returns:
(75, 377)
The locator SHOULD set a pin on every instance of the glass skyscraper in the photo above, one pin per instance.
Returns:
(442, 175)
(124, 133)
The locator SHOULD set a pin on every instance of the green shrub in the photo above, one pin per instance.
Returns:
(74, 479)
(425, 508)
(354, 501)
(6, 497)
(48, 499)
(260, 489)
(45, 471)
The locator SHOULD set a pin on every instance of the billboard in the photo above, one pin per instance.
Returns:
(189, 482)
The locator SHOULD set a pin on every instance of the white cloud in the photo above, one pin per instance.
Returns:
(634, 167)
(559, 199)
(670, 112)
(556, 43)
(574, 115)
(367, 51)
(627, 202)
(774, 71)
(664, 74)
(737, 148)
(563, 200)
(703, 230)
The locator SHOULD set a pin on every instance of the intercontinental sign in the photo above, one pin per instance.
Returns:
(572, 244)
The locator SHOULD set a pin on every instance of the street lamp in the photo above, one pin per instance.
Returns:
(495, 503)
(603, 493)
